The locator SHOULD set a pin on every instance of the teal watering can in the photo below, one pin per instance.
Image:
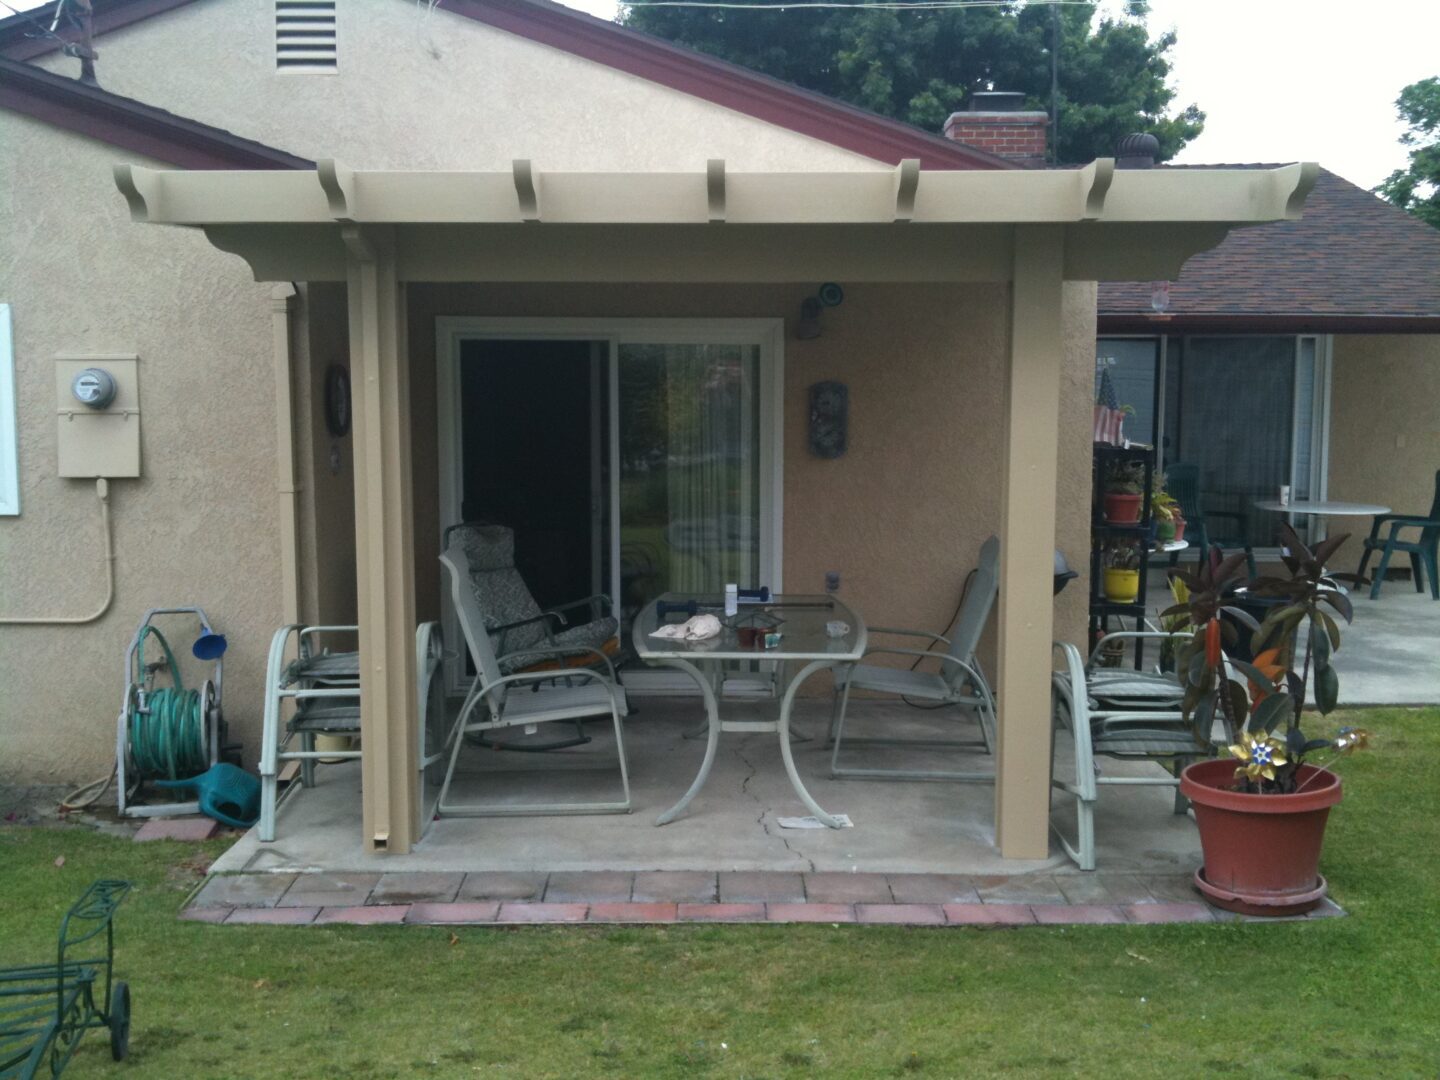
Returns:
(229, 795)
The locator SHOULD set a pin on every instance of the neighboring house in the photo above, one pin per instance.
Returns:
(1300, 352)
(966, 337)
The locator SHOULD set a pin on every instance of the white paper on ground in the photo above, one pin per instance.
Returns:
(813, 822)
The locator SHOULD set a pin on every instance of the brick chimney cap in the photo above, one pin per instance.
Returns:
(996, 101)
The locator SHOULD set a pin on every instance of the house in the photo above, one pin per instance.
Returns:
(1337, 314)
(513, 202)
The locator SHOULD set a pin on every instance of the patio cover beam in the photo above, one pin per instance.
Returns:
(1096, 192)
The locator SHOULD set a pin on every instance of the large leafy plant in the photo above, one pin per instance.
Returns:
(1260, 704)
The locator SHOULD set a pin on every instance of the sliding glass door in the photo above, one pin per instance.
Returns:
(688, 497)
(1249, 412)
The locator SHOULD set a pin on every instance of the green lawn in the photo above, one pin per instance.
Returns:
(1353, 997)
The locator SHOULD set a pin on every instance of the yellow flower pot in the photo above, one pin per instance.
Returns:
(1122, 586)
(332, 743)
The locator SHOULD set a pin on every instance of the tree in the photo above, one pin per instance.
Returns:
(920, 65)
(1417, 189)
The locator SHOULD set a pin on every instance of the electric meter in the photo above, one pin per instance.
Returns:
(94, 388)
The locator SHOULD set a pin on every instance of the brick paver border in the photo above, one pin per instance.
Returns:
(558, 899)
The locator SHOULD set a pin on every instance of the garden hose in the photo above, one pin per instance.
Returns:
(167, 740)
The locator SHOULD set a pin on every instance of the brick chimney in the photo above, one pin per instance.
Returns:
(996, 121)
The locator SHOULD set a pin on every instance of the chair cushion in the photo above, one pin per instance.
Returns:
(602, 634)
(1131, 687)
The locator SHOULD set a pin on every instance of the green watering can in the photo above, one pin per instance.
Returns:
(229, 795)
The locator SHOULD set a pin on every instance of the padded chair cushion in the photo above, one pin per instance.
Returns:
(1132, 687)
(602, 634)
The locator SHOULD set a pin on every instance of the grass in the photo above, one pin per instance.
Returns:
(1353, 997)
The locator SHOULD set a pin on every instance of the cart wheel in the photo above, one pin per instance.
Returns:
(120, 1020)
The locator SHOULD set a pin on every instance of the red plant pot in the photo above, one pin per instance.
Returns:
(1121, 509)
(1179, 527)
(1262, 852)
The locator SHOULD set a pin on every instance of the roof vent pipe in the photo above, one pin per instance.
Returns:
(1137, 151)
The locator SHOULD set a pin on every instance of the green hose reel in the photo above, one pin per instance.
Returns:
(166, 730)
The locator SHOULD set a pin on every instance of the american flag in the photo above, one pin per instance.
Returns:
(1109, 418)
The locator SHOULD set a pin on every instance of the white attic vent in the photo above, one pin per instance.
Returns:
(305, 36)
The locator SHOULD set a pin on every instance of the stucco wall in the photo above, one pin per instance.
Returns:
(200, 525)
(418, 91)
(903, 514)
(327, 504)
(1385, 423)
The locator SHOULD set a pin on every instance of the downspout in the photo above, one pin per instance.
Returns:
(282, 304)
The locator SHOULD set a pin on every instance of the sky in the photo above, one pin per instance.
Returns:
(1282, 80)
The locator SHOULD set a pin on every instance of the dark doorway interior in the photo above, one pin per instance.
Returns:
(527, 445)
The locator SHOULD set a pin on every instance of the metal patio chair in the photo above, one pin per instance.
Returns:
(498, 700)
(325, 687)
(1424, 549)
(960, 682)
(1120, 713)
(1182, 481)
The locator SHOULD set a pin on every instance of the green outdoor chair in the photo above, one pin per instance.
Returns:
(1422, 550)
(1182, 481)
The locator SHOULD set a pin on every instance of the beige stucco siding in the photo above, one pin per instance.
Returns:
(200, 525)
(418, 91)
(1385, 421)
(903, 513)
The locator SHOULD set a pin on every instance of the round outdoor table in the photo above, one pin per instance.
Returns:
(1322, 509)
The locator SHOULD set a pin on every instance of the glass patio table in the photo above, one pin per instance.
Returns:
(804, 638)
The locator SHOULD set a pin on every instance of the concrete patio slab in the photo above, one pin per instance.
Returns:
(503, 885)
(681, 886)
(589, 886)
(243, 890)
(900, 828)
(752, 886)
(413, 888)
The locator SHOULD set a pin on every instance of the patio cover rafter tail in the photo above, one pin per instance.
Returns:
(1034, 230)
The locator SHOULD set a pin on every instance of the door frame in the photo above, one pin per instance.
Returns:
(766, 333)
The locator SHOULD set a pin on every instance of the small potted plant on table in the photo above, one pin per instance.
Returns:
(1121, 559)
(1124, 492)
(1168, 521)
(1262, 822)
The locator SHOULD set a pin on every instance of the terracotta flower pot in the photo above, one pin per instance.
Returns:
(1122, 586)
(1122, 509)
(1262, 852)
(1179, 527)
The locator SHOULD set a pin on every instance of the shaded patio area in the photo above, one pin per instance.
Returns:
(734, 824)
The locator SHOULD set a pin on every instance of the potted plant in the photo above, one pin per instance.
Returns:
(1124, 492)
(1121, 559)
(1168, 521)
(1262, 821)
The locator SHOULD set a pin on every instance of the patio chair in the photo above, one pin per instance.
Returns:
(1424, 550)
(531, 639)
(1182, 481)
(959, 682)
(325, 687)
(1120, 713)
(502, 697)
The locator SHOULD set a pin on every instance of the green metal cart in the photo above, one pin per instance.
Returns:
(46, 1009)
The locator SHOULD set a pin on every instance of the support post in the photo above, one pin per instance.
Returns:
(1027, 534)
(384, 541)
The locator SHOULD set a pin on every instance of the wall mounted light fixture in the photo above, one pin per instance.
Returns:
(828, 295)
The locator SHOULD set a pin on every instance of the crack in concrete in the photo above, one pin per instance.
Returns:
(765, 812)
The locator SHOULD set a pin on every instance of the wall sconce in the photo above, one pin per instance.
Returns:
(828, 295)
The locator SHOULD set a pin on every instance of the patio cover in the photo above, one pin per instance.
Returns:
(1035, 230)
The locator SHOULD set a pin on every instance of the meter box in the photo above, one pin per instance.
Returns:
(99, 415)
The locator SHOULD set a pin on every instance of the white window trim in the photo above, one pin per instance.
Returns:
(9, 432)
(769, 334)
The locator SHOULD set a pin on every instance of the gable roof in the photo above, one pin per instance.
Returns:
(696, 74)
(120, 121)
(1353, 263)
